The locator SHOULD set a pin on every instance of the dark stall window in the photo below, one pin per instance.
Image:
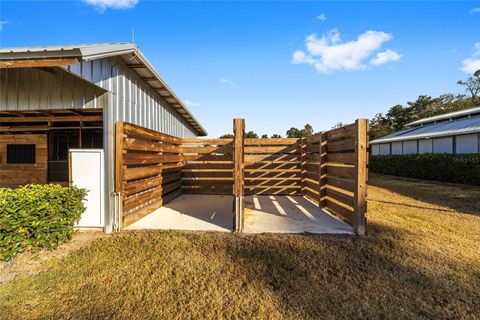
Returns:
(21, 153)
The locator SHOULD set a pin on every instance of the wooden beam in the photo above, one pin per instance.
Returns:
(31, 63)
(360, 191)
(238, 172)
(137, 66)
(52, 119)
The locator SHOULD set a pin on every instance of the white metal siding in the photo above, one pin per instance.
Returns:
(135, 101)
(443, 145)
(385, 148)
(37, 89)
(410, 147)
(425, 146)
(397, 148)
(375, 149)
(467, 143)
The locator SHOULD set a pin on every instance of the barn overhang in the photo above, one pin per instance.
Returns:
(64, 56)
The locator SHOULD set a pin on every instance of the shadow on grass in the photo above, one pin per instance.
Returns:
(341, 277)
(462, 198)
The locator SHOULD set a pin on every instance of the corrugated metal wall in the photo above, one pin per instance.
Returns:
(135, 101)
(46, 88)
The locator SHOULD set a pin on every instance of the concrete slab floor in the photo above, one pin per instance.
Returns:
(191, 212)
(289, 214)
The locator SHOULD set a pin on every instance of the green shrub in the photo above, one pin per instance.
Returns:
(38, 216)
(458, 168)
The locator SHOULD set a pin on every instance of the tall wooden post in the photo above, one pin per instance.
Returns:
(119, 174)
(360, 192)
(322, 169)
(238, 172)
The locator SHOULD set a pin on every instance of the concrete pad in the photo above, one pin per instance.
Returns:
(191, 212)
(289, 214)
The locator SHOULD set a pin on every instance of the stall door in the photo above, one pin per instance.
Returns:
(87, 171)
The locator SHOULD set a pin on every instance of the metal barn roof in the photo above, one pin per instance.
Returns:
(449, 115)
(441, 129)
(84, 52)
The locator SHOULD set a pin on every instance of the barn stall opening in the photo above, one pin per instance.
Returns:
(315, 184)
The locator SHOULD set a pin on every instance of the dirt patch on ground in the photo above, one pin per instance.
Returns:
(31, 263)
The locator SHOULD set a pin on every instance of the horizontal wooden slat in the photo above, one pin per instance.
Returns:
(341, 145)
(141, 199)
(341, 157)
(208, 157)
(207, 182)
(208, 166)
(172, 195)
(271, 141)
(133, 129)
(209, 149)
(225, 189)
(143, 172)
(206, 142)
(341, 172)
(348, 185)
(138, 186)
(143, 145)
(343, 132)
(272, 149)
(211, 174)
(281, 166)
(272, 158)
(344, 198)
(169, 177)
(167, 188)
(272, 191)
(272, 174)
(339, 210)
(141, 158)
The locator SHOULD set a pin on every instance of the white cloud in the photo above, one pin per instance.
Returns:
(474, 10)
(112, 4)
(329, 53)
(471, 65)
(190, 103)
(2, 23)
(226, 81)
(321, 17)
(385, 57)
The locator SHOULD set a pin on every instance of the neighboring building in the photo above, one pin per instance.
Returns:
(57, 98)
(456, 132)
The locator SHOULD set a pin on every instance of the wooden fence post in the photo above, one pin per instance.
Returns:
(238, 172)
(322, 169)
(360, 192)
(119, 174)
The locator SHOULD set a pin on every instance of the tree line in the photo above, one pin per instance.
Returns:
(399, 115)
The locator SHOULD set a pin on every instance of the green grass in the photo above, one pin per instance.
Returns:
(421, 259)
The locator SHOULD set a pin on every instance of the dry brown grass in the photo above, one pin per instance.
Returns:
(421, 259)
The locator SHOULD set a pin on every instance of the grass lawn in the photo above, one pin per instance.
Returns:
(421, 259)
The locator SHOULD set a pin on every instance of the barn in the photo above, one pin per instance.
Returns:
(100, 117)
(55, 100)
(454, 133)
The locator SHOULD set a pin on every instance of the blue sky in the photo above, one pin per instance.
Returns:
(277, 64)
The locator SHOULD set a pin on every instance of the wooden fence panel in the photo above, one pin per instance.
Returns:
(208, 166)
(148, 170)
(272, 166)
(334, 172)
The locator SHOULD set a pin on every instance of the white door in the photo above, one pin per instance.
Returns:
(87, 172)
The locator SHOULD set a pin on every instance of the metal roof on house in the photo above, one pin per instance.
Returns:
(450, 115)
(84, 52)
(441, 129)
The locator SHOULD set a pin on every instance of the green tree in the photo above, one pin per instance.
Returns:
(264, 135)
(339, 125)
(251, 134)
(472, 86)
(296, 133)
(276, 136)
(227, 136)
